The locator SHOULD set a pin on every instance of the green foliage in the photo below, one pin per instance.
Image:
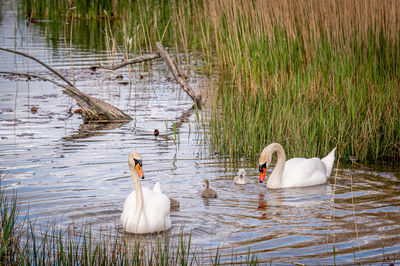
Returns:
(312, 75)
(306, 89)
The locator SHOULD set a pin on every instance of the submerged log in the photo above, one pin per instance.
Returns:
(92, 109)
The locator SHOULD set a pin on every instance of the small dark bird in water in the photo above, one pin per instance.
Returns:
(208, 192)
(34, 110)
(156, 132)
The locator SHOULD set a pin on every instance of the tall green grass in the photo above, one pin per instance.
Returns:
(311, 75)
(308, 74)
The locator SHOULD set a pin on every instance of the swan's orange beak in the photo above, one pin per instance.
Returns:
(140, 171)
(262, 173)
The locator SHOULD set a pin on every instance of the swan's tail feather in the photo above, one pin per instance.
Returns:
(328, 161)
(157, 187)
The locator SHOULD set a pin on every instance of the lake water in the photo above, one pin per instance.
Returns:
(65, 172)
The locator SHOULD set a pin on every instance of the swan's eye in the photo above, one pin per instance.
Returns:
(261, 167)
(138, 162)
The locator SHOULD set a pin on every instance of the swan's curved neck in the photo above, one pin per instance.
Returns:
(276, 175)
(139, 193)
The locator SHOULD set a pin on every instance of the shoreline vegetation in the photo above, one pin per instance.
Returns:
(308, 74)
(21, 244)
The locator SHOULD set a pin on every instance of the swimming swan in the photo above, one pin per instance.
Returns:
(296, 172)
(208, 192)
(145, 211)
(173, 202)
(241, 179)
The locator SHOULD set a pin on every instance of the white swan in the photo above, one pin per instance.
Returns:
(145, 211)
(296, 172)
(241, 179)
(174, 204)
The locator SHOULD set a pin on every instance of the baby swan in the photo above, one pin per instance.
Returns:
(241, 179)
(208, 192)
(173, 202)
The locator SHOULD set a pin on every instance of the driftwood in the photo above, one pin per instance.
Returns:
(170, 63)
(92, 109)
(177, 75)
(135, 60)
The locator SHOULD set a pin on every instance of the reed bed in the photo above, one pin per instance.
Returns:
(308, 74)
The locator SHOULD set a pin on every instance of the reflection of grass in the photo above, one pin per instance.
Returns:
(20, 244)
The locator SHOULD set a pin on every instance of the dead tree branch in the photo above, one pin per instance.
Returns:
(135, 60)
(40, 62)
(170, 63)
(177, 75)
(92, 109)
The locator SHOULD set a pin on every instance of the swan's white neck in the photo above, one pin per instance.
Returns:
(139, 195)
(275, 178)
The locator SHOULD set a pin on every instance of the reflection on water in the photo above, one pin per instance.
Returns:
(67, 172)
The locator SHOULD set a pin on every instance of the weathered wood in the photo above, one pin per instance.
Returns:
(177, 75)
(170, 63)
(135, 60)
(40, 62)
(92, 108)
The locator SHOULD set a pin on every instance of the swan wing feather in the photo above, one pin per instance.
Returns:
(301, 172)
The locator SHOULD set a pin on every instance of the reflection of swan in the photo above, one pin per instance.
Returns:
(261, 206)
(208, 192)
(173, 202)
(241, 179)
(145, 211)
(304, 197)
(296, 172)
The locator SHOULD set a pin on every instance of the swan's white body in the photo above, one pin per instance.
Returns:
(296, 172)
(145, 211)
(241, 179)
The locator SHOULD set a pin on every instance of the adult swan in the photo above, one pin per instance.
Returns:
(145, 211)
(296, 172)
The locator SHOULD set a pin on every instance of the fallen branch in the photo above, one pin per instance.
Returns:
(40, 62)
(170, 63)
(33, 76)
(177, 75)
(135, 60)
(92, 108)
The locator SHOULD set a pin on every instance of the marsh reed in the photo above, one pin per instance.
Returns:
(308, 74)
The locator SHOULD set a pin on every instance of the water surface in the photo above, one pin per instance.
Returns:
(67, 173)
